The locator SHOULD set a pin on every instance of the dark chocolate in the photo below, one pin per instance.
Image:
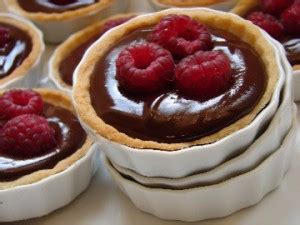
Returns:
(15, 51)
(70, 137)
(53, 6)
(168, 116)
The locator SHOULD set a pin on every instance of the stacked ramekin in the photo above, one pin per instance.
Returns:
(212, 180)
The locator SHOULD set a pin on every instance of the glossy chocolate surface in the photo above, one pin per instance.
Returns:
(70, 137)
(70, 62)
(54, 6)
(15, 51)
(168, 116)
(68, 65)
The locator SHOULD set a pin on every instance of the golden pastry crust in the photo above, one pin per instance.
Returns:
(59, 99)
(73, 42)
(14, 6)
(244, 29)
(187, 3)
(243, 7)
(34, 55)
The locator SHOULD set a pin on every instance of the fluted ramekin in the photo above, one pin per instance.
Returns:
(217, 200)
(186, 161)
(43, 197)
(57, 30)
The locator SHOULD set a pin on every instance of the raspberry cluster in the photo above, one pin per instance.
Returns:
(278, 17)
(177, 53)
(23, 131)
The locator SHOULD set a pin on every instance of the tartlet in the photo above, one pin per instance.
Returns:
(245, 7)
(66, 21)
(33, 172)
(97, 126)
(68, 55)
(21, 72)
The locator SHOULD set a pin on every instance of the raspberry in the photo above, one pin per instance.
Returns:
(114, 22)
(27, 135)
(181, 35)
(63, 2)
(267, 22)
(275, 7)
(203, 75)
(144, 67)
(290, 18)
(17, 102)
(5, 36)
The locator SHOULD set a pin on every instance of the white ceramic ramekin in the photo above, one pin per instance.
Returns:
(32, 77)
(43, 197)
(258, 151)
(296, 85)
(265, 145)
(57, 31)
(222, 6)
(175, 164)
(217, 200)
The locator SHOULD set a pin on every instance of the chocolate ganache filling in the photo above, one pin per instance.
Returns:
(14, 51)
(69, 135)
(54, 6)
(168, 116)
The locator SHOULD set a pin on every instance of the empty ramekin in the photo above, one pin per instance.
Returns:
(43, 197)
(217, 200)
(31, 77)
(183, 162)
(224, 5)
(56, 28)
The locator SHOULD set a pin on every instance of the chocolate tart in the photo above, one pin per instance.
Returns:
(50, 13)
(244, 7)
(18, 171)
(27, 42)
(85, 92)
(51, 17)
(68, 55)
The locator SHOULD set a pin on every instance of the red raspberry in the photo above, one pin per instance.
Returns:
(27, 135)
(290, 18)
(275, 7)
(5, 36)
(114, 22)
(144, 67)
(17, 102)
(181, 35)
(267, 22)
(204, 74)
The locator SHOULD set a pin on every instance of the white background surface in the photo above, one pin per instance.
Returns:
(103, 203)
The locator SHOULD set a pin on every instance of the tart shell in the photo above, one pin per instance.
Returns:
(25, 74)
(69, 45)
(71, 21)
(243, 7)
(67, 15)
(58, 99)
(250, 34)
